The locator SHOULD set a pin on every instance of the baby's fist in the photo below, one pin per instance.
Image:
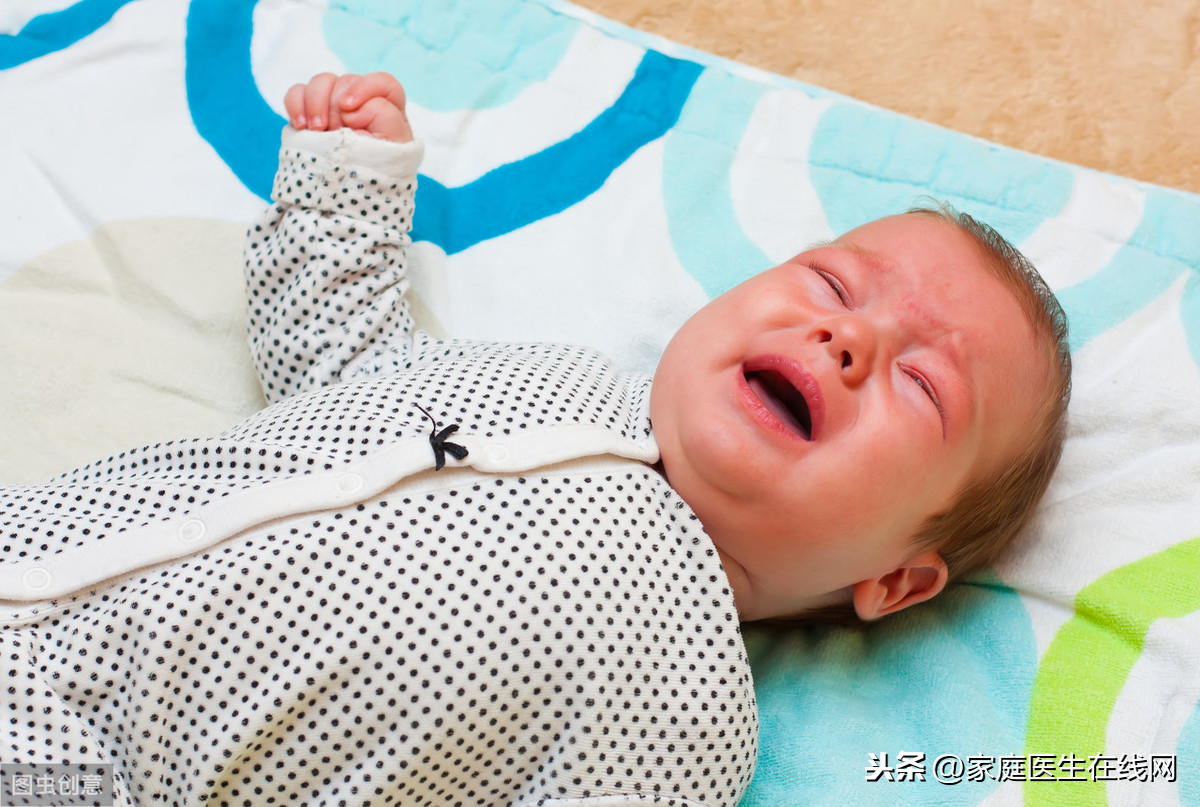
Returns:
(373, 104)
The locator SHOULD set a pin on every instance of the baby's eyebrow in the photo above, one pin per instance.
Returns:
(875, 261)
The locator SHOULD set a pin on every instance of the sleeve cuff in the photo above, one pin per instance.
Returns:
(347, 147)
(346, 173)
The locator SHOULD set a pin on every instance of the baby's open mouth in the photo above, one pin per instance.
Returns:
(786, 402)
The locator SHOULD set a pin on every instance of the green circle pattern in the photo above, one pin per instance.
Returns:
(1085, 667)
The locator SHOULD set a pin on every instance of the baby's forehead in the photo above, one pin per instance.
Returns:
(932, 255)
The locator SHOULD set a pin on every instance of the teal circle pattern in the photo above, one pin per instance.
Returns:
(1187, 750)
(698, 157)
(867, 163)
(1142, 270)
(953, 676)
(458, 54)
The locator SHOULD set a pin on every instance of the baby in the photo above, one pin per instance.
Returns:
(457, 572)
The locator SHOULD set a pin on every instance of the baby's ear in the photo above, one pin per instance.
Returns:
(919, 579)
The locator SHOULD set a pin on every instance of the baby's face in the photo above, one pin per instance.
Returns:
(814, 416)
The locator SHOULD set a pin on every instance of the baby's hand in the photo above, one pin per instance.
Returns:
(373, 103)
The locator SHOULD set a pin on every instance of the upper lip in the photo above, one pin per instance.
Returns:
(774, 369)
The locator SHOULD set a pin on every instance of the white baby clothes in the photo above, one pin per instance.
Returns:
(302, 610)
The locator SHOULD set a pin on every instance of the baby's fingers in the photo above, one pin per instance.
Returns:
(381, 118)
(293, 102)
(373, 103)
(317, 107)
(373, 85)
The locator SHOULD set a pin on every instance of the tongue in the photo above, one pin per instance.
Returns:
(778, 408)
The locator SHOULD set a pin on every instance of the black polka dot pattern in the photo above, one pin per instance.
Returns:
(461, 638)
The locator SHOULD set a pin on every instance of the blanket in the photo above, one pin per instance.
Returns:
(592, 184)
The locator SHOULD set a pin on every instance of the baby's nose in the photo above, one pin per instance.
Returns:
(852, 342)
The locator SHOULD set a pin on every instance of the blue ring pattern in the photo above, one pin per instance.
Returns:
(232, 116)
(52, 32)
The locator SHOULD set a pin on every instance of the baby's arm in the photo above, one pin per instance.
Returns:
(325, 264)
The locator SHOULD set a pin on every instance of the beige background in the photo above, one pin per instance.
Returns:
(1110, 84)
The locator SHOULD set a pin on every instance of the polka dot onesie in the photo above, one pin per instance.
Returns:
(305, 610)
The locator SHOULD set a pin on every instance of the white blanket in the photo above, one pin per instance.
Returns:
(586, 183)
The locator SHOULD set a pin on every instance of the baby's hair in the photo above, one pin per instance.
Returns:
(989, 514)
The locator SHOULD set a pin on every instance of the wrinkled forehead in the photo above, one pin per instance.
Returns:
(943, 280)
(928, 257)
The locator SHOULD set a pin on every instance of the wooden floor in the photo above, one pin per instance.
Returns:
(1105, 83)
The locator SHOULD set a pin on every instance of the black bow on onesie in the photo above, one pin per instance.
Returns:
(437, 439)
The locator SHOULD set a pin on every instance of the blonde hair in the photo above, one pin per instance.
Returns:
(989, 514)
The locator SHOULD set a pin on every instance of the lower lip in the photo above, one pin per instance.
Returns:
(763, 414)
